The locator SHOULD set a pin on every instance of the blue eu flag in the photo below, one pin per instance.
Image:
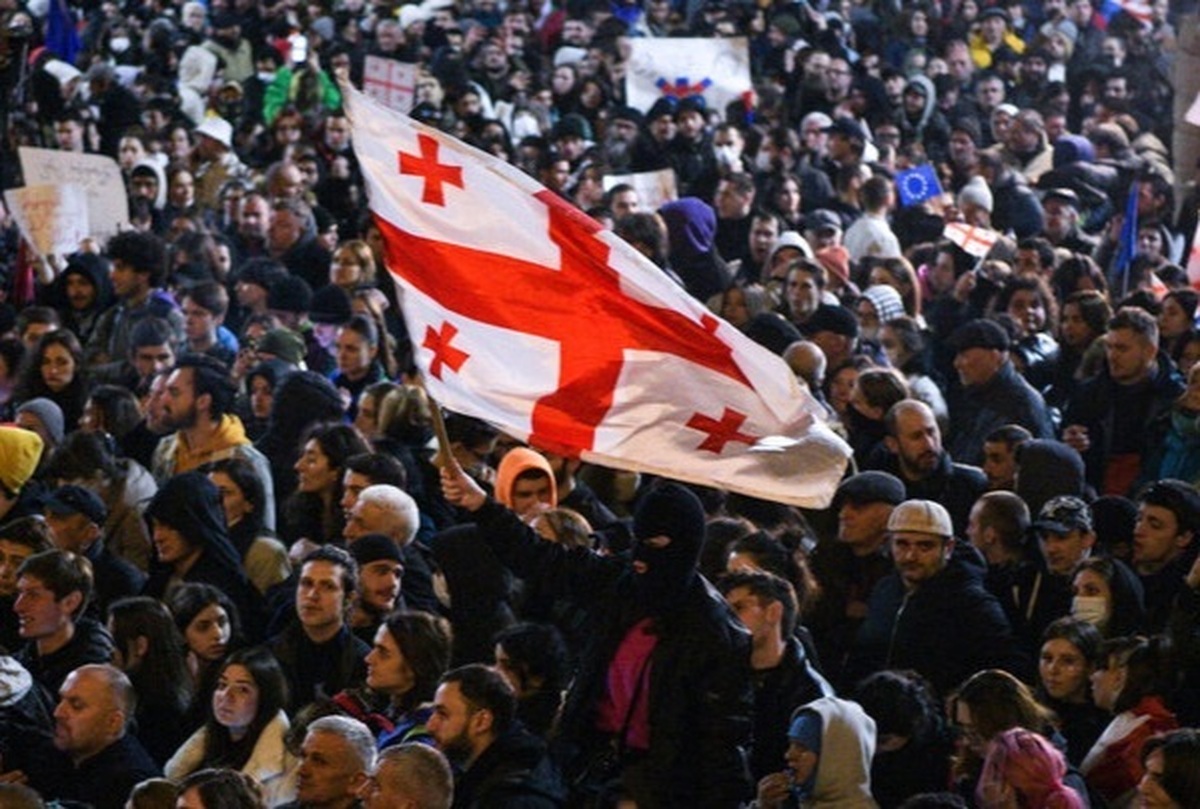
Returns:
(917, 185)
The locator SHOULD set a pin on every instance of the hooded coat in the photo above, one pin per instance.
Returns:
(94, 270)
(929, 128)
(302, 399)
(1048, 469)
(692, 230)
(843, 777)
(191, 504)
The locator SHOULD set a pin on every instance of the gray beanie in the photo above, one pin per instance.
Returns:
(48, 413)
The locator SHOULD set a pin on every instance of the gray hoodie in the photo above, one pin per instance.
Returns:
(847, 747)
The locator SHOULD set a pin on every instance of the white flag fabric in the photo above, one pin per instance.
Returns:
(974, 240)
(390, 82)
(717, 69)
(524, 313)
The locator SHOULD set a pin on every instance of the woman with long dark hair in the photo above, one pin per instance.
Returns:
(150, 649)
(1172, 763)
(243, 500)
(1131, 681)
(1085, 316)
(211, 628)
(314, 512)
(244, 727)
(1177, 320)
(55, 371)
(1070, 650)
(300, 400)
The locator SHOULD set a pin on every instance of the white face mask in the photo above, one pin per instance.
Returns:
(726, 155)
(1093, 609)
(119, 44)
(265, 76)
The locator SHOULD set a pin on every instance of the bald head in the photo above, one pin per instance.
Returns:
(807, 361)
(94, 707)
(115, 683)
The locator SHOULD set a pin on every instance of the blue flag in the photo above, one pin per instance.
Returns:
(1127, 245)
(917, 185)
(62, 38)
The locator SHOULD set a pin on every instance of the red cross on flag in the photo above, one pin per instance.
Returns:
(526, 314)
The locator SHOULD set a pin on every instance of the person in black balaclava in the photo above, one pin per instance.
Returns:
(660, 710)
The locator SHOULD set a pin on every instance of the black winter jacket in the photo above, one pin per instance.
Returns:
(946, 629)
(700, 696)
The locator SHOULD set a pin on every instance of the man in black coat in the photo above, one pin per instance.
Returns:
(95, 760)
(497, 762)
(993, 393)
(318, 652)
(661, 707)
(915, 455)
(1118, 418)
(53, 588)
(784, 676)
(933, 614)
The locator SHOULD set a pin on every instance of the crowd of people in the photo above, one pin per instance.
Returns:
(232, 575)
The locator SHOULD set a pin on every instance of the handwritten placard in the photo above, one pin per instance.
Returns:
(52, 218)
(100, 176)
(654, 188)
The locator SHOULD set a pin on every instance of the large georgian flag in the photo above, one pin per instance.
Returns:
(524, 313)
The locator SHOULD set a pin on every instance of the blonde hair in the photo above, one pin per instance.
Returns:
(363, 256)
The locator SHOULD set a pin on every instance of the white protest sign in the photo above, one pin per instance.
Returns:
(393, 84)
(52, 218)
(654, 188)
(100, 176)
(718, 69)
